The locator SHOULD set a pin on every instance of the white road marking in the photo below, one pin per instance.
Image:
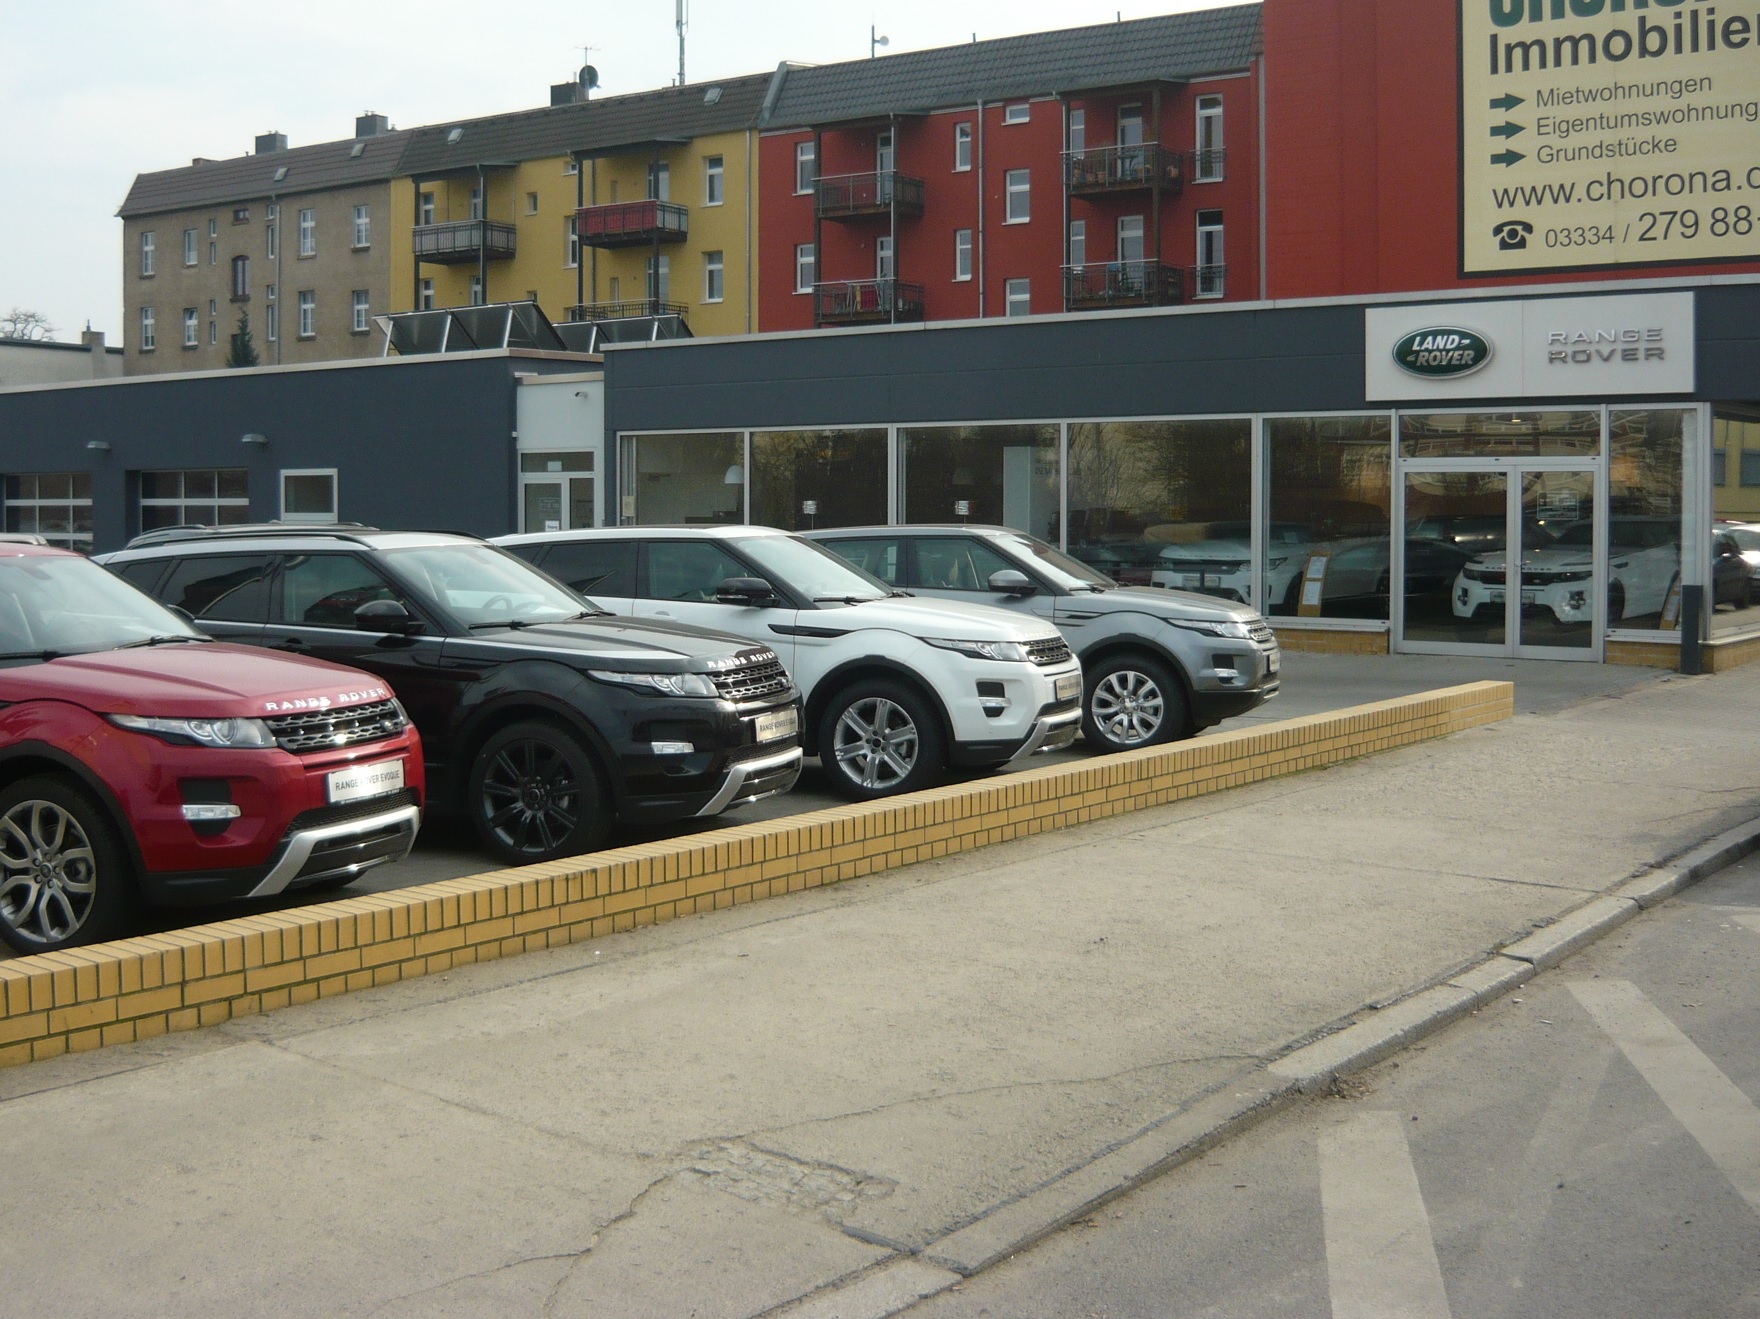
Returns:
(1379, 1253)
(1707, 1103)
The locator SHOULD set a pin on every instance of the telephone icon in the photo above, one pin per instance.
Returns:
(1512, 235)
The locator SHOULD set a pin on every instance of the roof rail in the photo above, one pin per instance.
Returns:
(248, 531)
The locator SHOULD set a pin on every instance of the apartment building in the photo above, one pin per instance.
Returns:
(295, 242)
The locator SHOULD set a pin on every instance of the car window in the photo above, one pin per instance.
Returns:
(689, 569)
(593, 567)
(956, 564)
(144, 573)
(879, 557)
(324, 590)
(231, 588)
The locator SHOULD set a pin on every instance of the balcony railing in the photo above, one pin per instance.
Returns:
(1209, 281)
(618, 311)
(632, 224)
(459, 241)
(1122, 284)
(1136, 168)
(1209, 164)
(843, 196)
(866, 301)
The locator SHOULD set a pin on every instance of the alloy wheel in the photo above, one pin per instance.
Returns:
(48, 872)
(531, 797)
(876, 742)
(1128, 707)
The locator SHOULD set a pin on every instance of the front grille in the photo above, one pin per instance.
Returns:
(751, 681)
(326, 730)
(1260, 631)
(1046, 651)
(323, 816)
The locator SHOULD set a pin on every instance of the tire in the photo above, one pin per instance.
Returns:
(535, 795)
(1616, 604)
(1131, 701)
(65, 877)
(880, 738)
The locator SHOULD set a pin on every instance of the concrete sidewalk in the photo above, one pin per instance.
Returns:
(724, 1114)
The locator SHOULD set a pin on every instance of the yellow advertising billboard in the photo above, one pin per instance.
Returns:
(1608, 133)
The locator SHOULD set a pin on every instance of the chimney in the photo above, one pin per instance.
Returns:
(93, 342)
(371, 125)
(268, 142)
(565, 93)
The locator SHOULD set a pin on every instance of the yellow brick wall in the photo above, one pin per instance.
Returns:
(134, 989)
(1326, 641)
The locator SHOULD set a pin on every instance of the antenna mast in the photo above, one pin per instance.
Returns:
(681, 22)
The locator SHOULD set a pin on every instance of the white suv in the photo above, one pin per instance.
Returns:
(896, 688)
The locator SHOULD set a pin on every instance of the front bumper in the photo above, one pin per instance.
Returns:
(1053, 728)
(1568, 602)
(728, 763)
(753, 780)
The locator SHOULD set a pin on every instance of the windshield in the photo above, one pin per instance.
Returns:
(1065, 572)
(817, 574)
(482, 585)
(73, 607)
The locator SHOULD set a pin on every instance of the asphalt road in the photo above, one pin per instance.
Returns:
(1586, 1148)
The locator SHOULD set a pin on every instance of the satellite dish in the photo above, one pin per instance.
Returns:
(589, 77)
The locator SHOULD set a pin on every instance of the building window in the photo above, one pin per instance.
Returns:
(308, 313)
(884, 153)
(1207, 168)
(1719, 467)
(805, 268)
(363, 227)
(477, 202)
(213, 332)
(531, 203)
(147, 253)
(1078, 242)
(714, 284)
(1208, 282)
(203, 498)
(241, 278)
(308, 232)
(213, 228)
(189, 247)
(426, 297)
(425, 209)
(1130, 125)
(1018, 113)
(148, 343)
(883, 257)
(572, 167)
(571, 244)
(213, 307)
(660, 181)
(1078, 130)
(213, 254)
(962, 147)
(308, 494)
(1018, 297)
(192, 327)
(659, 279)
(272, 319)
(269, 240)
(359, 323)
(962, 253)
(713, 181)
(241, 215)
(1750, 467)
(477, 291)
(54, 505)
(1017, 185)
(1130, 239)
(806, 167)
(616, 289)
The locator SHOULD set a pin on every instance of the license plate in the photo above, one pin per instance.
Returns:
(1497, 597)
(1273, 662)
(358, 782)
(776, 723)
(1191, 578)
(1069, 686)
(1528, 597)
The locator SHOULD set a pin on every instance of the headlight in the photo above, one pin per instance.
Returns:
(1472, 574)
(990, 650)
(247, 733)
(662, 684)
(1236, 631)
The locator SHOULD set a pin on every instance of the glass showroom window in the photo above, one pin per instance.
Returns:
(1331, 485)
(1002, 474)
(1645, 453)
(54, 505)
(1501, 435)
(202, 498)
(683, 478)
(1164, 502)
(308, 494)
(828, 478)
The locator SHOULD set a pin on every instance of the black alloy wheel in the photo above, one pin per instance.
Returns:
(535, 795)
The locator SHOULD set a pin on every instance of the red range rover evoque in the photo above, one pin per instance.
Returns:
(140, 761)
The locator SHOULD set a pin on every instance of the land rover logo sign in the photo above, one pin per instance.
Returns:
(1441, 351)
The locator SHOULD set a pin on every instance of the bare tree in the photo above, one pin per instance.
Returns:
(22, 323)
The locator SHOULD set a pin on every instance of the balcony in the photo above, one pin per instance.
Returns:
(866, 302)
(632, 224)
(622, 311)
(459, 241)
(1138, 168)
(850, 196)
(1209, 164)
(1107, 284)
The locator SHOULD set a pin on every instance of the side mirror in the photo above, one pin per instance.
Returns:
(751, 592)
(1012, 581)
(385, 616)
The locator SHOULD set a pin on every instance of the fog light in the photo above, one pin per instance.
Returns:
(207, 812)
(672, 748)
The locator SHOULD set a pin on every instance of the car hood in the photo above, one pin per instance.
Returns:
(627, 644)
(203, 681)
(1555, 559)
(924, 617)
(1188, 606)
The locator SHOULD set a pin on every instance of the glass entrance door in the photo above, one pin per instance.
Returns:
(1557, 603)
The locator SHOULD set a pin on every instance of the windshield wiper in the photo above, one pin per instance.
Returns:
(895, 594)
(515, 623)
(586, 613)
(158, 641)
(845, 599)
(34, 655)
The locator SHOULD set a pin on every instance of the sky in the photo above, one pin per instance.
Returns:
(107, 89)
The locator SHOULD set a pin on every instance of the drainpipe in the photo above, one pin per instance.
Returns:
(980, 173)
(593, 198)
(1264, 244)
(580, 267)
(892, 216)
(280, 233)
(818, 224)
(750, 297)
(1063, 170)
(483, 237)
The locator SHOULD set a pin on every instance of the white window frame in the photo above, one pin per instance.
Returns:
(1132, 114)
(241, 278)
(425, 207)
(1078, 130)
(192, 328)
(147, 253)
(806, 167)
(659, 273)
(1210, 253)
(1017, 185)
(29, 515)
(360, 302)
(271, 318)
(885, 152)
(335, 500)
(182, 501)
(269, 238)
(1078, 242)
(189, 247)
(531, 203)
(884, 266)
(1132, 227)
(363, 226)
(1209, 165)
(478, 293)
(479, 202)
(149, 334)
(425, 295)
(1017, 112)
(806, 262)
(213, 333)
(962, 148)
(714, 277)
(962, 255)
(308, 232)
(714, 181)
(660, 181)
(1017, 297)
(308, 314)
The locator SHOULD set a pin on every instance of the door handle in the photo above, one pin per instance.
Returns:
(287, 643)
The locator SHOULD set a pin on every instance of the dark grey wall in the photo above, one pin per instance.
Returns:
(420, 443)
(1728, 327)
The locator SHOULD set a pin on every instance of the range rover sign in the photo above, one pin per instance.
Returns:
(1442, 351)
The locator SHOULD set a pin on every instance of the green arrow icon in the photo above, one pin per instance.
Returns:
(1508, 101)
(1507, 157)
(1506, 129)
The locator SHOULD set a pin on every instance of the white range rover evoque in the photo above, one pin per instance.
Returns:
(896, 688)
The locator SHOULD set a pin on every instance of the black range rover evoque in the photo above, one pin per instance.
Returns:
(544, 719)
